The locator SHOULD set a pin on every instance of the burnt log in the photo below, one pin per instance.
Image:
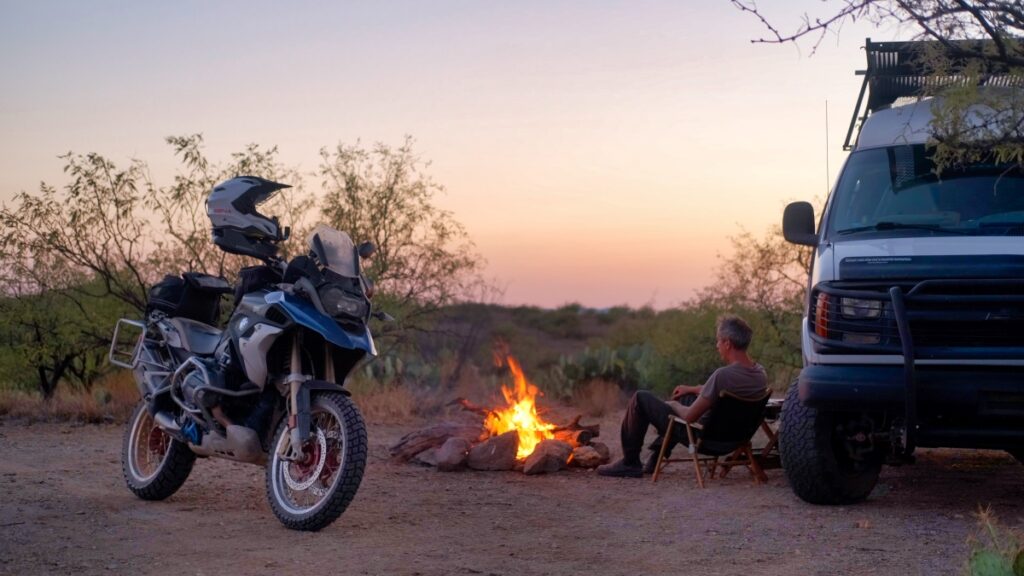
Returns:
(427, 458)
(470, 407)
(574, 426)
(432, 437)
(575, 438)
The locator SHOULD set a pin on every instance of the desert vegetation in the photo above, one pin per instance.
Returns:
(81, 254)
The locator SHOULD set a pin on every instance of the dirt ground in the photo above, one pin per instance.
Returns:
(64, 509)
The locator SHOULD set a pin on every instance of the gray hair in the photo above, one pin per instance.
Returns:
(734, 329)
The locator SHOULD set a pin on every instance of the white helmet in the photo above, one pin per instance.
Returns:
(238, 227)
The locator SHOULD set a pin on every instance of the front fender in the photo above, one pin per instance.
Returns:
(303, 313)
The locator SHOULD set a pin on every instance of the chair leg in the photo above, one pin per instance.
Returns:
(755, 466)
(714, 468)
(700, 473)
(664, 446)
(696, 466)
(693, 447)
(727, 465)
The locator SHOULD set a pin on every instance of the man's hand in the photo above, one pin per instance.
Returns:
(679, 392)
(683, 390)
(678, 408)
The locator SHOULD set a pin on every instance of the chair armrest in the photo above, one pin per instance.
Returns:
(696, 425)
(690, 426)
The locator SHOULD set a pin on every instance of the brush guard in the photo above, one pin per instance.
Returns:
(961, 302)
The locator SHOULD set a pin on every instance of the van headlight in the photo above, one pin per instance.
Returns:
(337, 302)
(860, 309)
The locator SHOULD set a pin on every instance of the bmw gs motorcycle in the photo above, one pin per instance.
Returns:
(268, 387)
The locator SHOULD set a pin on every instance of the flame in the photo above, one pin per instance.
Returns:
(521, 413)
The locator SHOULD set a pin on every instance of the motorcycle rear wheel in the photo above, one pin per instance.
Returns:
(154, 464)
(312, 492)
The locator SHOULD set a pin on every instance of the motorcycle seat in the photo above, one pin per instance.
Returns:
(197, 337)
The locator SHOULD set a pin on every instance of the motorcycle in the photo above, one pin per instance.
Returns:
(267, 389)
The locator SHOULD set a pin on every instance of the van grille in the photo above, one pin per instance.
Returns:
(947, 318)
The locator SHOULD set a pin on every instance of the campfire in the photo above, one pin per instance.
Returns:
(521, 413)
(513, 436)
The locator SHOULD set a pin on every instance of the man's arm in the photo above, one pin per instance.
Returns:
(683, 390)
(697, 409)
(693, 412)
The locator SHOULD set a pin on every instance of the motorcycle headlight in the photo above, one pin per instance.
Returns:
(337, 302)
(860, 309)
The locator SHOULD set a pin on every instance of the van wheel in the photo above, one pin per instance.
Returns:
(827, 456)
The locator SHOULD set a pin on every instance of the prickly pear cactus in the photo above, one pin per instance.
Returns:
(990, 563)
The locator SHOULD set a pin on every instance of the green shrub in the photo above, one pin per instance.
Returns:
(995, 550)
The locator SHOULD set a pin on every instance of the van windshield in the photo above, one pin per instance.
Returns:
(895, 191)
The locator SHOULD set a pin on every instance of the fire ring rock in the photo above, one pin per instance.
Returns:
(452, 454)
(602, 450)
(495, 453)
(587, 457)
(549, 456)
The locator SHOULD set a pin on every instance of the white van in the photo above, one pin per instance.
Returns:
(913, 332)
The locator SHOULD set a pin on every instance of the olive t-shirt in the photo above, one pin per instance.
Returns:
(735, 378)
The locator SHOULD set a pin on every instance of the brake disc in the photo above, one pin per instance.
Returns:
(314, 474)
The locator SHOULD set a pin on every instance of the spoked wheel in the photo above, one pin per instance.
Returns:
(311, 491)
(154, 464)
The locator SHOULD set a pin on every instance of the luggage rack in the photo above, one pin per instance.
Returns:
(901, 70)
(126, 343)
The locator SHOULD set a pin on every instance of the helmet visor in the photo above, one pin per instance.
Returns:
(261, 192)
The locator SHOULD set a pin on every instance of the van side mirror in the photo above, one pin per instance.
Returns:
(798, 224)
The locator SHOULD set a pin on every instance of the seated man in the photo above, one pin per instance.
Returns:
(741, 376)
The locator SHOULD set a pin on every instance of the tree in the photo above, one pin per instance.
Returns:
(424, 257)
(764, 279)
(185, 244)
(73, 260)
(118, 227)
(996, 128)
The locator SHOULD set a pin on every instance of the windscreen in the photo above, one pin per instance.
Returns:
(897, 188)
(334, 249)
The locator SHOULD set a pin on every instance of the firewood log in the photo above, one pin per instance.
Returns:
(433, 436)
(594, 429)
(575, 437)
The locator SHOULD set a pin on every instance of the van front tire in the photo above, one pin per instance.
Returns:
(815, 458)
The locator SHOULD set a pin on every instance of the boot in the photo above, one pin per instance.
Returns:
(620, 469)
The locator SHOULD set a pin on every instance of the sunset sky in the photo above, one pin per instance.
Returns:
(597, 152)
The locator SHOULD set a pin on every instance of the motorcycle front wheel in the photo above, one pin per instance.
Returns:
(154, 464)
(312, 491)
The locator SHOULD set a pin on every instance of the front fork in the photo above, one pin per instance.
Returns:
(298, 399)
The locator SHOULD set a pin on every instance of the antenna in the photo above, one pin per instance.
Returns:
(828, 178)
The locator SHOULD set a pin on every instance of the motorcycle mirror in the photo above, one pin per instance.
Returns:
(287, 233)
(367, 249)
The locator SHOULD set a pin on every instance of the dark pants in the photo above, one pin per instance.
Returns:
(646, 409)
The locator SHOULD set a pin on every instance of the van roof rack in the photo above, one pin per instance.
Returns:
(901, 69)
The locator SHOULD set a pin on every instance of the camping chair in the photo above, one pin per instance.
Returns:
(730, 426)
